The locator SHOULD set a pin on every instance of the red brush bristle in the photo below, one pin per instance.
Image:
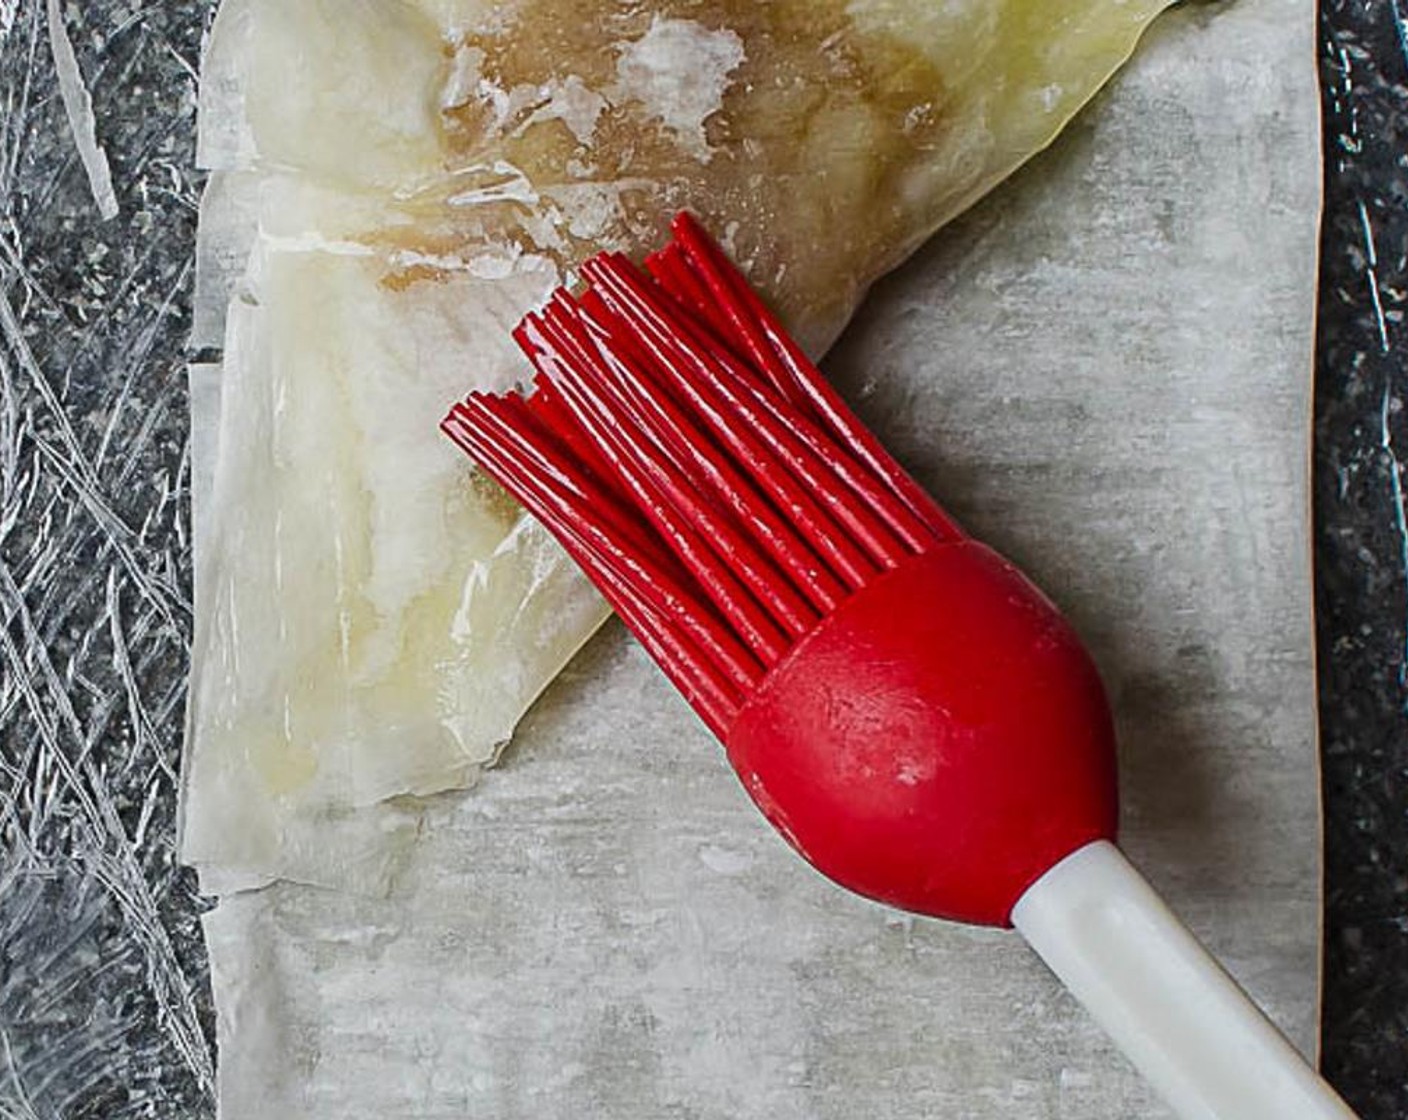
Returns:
(757, 330)
(743, 416)
(642, 580)
(697, 465)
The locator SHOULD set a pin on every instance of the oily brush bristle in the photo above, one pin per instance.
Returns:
(697, 465)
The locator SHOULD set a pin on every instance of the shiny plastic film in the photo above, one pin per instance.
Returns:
(105, 1007)
(394, 186)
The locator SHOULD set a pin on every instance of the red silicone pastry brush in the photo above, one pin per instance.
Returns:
(910, 712)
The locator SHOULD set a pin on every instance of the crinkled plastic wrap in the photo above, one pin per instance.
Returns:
(105, 1006)
(396, 184)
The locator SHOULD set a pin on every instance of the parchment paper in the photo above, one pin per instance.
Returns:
(1104, 371)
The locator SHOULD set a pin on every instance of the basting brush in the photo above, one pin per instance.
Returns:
(910, 712)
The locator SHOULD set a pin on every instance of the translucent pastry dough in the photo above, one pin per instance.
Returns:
(396, 183)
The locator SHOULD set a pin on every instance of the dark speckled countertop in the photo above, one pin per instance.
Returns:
(1361, 549)
(95, 563)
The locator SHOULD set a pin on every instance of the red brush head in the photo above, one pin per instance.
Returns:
(938, 743)
(903, 705)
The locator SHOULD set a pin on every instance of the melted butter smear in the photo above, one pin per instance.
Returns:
(789, 130)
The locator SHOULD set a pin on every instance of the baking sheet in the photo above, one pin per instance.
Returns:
(1104, 370)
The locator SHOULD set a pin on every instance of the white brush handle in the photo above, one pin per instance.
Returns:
(1182, 1021)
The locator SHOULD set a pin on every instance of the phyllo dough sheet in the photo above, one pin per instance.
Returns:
(395, 184)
